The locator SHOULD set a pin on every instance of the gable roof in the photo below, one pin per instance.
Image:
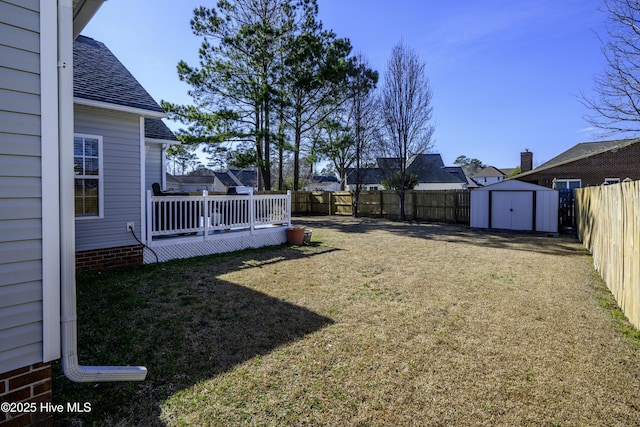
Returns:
(225, 179)
(248, 178)
(99, 76)
(324, 178)
(429, 168)
(582, 151)
(368, 176)
(194, 179)
(488, 172)
(459, 172)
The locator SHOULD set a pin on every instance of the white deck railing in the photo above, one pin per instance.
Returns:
(201, 216)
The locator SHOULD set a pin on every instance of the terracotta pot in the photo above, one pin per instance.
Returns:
(295, 236)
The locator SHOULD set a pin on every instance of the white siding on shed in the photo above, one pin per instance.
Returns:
(513, 205)
(121, 163)
(20, 186)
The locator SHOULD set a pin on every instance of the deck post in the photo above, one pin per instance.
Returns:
(149, 237)
(289, 207)
(205, 214)
(252, 212)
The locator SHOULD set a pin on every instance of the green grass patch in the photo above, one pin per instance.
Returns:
(180, 320)
(606, 300)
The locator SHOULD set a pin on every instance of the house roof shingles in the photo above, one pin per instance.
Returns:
(99, 76)
(247, 177)
(489, 172)
(582, 151)
(428, 167)
(157, 129)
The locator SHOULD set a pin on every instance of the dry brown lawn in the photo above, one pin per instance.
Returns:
(386, 323)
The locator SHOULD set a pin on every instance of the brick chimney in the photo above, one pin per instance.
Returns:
(526, 161)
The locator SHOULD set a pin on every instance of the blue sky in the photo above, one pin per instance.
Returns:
(506, 74)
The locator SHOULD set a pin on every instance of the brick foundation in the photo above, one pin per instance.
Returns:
(103, 259)
(28, 385)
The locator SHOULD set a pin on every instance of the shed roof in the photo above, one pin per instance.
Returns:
(514, 185)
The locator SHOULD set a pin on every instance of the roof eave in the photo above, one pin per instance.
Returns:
(83, 11)
(121, 108)
(162, 141)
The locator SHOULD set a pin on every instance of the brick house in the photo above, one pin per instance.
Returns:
(586, 164)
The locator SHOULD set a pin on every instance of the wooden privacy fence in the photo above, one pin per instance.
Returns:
(436, 205)
(608, 223)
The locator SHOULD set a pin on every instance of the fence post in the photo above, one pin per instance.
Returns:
(455, 206)
(414, 208)
(331, 202)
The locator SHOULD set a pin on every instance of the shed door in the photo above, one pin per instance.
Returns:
(512, 210)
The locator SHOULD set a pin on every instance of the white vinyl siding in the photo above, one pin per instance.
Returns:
(121, 178)
(20, 186)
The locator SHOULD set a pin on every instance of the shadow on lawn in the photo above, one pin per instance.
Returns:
(181, 321)
(544, 243)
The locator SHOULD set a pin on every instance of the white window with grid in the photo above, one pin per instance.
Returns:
(87, 167)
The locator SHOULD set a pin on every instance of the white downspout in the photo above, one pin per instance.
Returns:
(72, 369)
(163, 167)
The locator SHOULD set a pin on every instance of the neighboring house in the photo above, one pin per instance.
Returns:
(219, 182)
(119, 145)
(429, 168)
(37, 197)
(588, 164)
(323, 183)
(489, 175)
(245, 177)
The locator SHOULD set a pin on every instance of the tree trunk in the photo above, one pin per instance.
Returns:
(296, 155)
(280, 168)
(402, 196)
(258, 136)
(267, 145)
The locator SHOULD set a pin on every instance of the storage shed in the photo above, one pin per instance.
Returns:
(515, 205)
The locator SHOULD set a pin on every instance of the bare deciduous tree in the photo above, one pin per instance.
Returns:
(406, 109)
(616, 105)
(363, 108)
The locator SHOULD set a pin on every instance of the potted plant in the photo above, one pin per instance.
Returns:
(295, 236)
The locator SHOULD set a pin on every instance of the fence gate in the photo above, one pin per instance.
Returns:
(566, 209)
